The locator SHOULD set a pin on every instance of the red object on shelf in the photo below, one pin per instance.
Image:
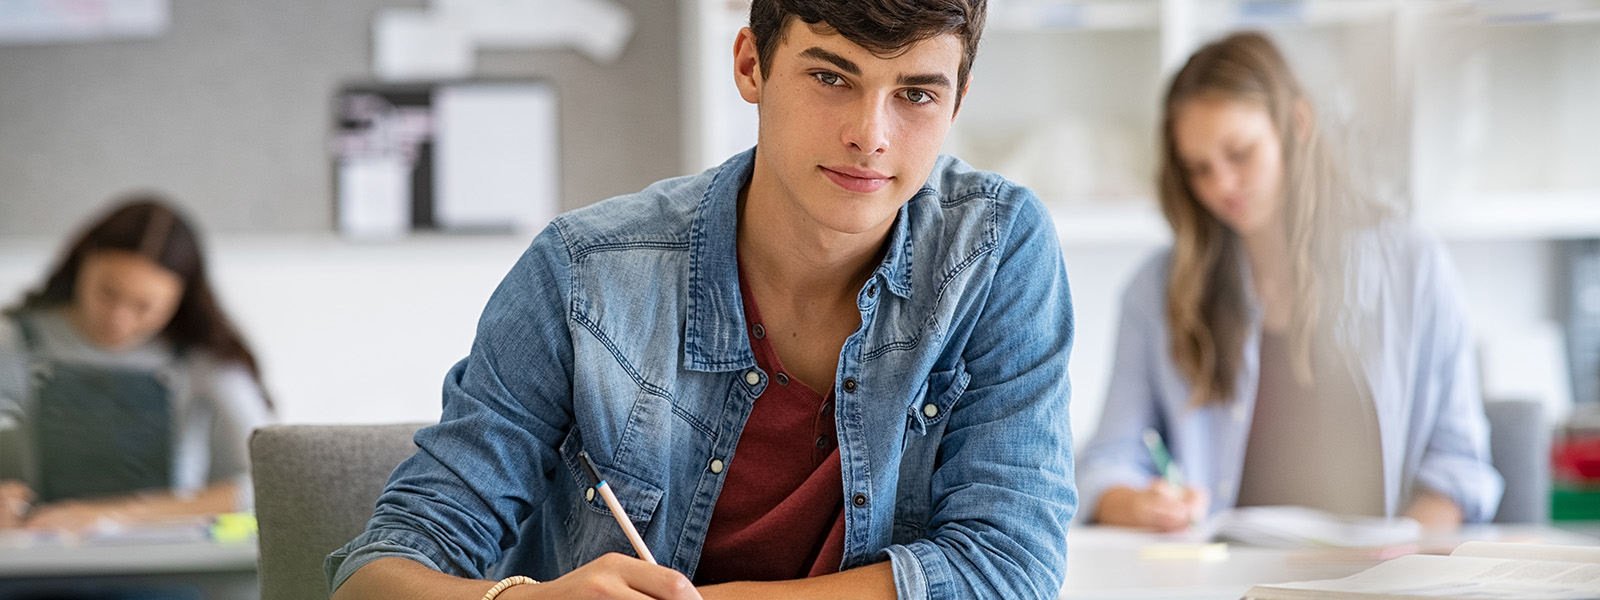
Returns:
(1577, 460)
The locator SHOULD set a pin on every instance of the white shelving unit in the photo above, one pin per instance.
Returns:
(1478, 113)
(1506, 120)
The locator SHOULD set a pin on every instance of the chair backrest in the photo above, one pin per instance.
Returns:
(315, 489)
(1519, 446)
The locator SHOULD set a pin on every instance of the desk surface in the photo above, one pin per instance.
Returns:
(54, 558)
(1105, 562)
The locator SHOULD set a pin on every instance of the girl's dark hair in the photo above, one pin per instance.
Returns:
(883, 27)
(147, 225)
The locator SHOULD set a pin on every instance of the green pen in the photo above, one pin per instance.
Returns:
(1164, 464)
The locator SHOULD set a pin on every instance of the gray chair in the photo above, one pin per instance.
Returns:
(1519, 447)
(315, 488)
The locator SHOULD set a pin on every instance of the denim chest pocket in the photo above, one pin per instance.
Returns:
(591, 529)
(927, 415)
(930, 408)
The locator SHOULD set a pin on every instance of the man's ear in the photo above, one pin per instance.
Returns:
(963, 97)
(747, 66)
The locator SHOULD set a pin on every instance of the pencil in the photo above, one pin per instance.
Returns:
(616, 508)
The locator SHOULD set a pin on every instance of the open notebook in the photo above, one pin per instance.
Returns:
(1480, 570)
(1300, 527)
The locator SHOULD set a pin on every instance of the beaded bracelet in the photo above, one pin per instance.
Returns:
(506, 583)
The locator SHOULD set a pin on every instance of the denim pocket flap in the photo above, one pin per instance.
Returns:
(637, 496)
(933, 405)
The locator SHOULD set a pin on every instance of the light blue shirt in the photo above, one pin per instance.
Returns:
(1405, 326)
(621, 332)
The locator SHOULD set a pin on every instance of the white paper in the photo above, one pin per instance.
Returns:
(441, 42)
(597, 28)
(374, 197)
(412, 45)
(1429, 576)
(495, 156)
(1589, 554)
(1301, 527)
(39, 21)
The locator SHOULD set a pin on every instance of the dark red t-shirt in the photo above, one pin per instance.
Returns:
(781, 512)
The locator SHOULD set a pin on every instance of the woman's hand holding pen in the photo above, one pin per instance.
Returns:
(1161, 506)
(16, 501)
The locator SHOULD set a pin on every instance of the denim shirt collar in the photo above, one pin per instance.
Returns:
(714, 335)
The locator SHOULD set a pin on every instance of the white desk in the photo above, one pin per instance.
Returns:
(199, 568)
(1105, 563)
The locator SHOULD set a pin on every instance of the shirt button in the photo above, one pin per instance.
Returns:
(872, 290)
(716, 466)
(827, 407)
(752, 377)
(588, 495)
(850, 384)
(783, 378)
(822, 442)
(930, 410)
(859, 500)
(759, 331)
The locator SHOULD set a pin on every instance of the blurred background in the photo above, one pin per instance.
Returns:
(367, 170)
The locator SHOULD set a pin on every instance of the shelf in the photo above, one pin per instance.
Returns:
(1068, 15)
(1564, 214)
(1253, 14)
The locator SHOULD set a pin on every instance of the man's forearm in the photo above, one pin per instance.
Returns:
(872, 582)
(401, 579)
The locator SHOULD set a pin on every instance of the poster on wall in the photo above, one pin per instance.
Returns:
(52, 21)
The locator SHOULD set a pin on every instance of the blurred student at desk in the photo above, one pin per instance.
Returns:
(1298, 344)
(129, 393)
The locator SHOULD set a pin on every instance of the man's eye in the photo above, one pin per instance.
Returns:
(918, 96)
(828, 78)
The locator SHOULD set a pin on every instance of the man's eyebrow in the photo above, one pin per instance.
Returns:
(928, 80)
(843, 63)
(848, 66)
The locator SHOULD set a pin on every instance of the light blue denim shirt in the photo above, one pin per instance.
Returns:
(1404, 323)
(621, 332)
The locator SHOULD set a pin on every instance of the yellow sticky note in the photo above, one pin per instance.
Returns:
(1212, 552)
(234, 527)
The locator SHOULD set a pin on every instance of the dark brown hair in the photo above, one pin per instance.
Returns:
(148, 226)
(1206, 300)
(883, 27)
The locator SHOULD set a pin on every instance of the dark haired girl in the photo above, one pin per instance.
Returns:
(130, 393)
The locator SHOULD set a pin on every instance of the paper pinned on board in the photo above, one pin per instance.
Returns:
(441, 41)
(414, 44)
(51, 21)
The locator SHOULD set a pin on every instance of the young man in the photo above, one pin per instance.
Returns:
(833, 367)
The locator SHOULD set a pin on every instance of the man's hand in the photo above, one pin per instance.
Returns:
(613, 576)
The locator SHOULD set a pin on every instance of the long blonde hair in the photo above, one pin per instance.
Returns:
(1207, 307)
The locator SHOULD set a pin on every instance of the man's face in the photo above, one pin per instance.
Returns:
(846, 137)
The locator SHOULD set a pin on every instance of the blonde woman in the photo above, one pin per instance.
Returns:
(1297, 344)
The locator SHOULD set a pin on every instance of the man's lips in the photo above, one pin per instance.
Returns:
(861, 181)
